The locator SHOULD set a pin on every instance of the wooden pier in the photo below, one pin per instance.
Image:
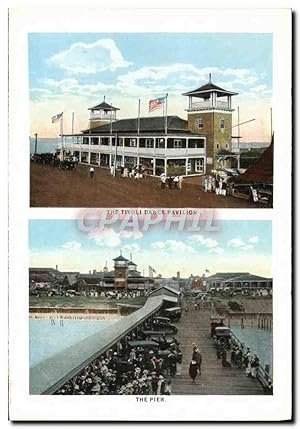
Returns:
(214, 378)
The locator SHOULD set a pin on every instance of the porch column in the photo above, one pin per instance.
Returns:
(99, 159)
(190, 102)
(80, 156)
(154, 166)
(229, 101)
(186, 166)
(165, 166)
(89, 157)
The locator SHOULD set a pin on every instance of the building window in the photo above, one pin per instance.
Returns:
(222, 124)
(199, 123)
(85, 140)
(196, 143)
(160, 143)
(177, 144)
(149, 143)
(95, 140)
(217, 146)
(227, 146)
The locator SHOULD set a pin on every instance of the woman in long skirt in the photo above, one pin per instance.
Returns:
(193, 370)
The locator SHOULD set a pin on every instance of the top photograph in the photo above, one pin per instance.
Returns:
(151, 120)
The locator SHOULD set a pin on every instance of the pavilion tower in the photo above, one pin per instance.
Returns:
(121, 272)
(210, 113)
(102, 114)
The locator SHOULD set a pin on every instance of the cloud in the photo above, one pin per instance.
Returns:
(131, 248)
(71, 245)
(218, 250)
(235, 242)
(150, 80)
(126, 234)
(239, 244)
(172, 246)
(107, 237)
(247, 247)
(89, 58)
(254, 240)
(207, 242)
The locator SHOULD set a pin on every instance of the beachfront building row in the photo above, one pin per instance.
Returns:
(123, 277)
(238, 281)
(161, 144)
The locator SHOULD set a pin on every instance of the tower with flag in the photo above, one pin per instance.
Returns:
(159, 143)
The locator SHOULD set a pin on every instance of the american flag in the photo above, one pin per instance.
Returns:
(57, 118)
(156, 104)
(152, 269)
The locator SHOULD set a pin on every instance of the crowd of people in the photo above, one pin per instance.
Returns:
(240, 357)
(129, 371)
(131, 172)
(170, 182)
(215, 184)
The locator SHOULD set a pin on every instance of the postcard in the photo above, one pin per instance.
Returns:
(150, 219)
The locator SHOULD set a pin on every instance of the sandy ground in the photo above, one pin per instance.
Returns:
(51, 187)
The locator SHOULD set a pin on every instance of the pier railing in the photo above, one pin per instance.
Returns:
(262, 375)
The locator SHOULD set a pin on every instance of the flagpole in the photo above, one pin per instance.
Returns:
(110, 118)
(116, 151)
(139, 114)
(166, 116)
(62, 132)
(72, 127)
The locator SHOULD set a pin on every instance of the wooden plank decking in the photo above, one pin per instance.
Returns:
(214, 379)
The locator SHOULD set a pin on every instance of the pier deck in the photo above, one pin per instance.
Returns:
(214, 378)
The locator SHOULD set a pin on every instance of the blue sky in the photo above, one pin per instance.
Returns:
(238, 246)
(71, 72)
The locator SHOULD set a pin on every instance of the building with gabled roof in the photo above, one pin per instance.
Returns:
(238, 280)
(160, 144)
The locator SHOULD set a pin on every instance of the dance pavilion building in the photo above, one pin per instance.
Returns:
(162, 144)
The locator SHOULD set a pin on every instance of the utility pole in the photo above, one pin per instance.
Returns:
(116, 151)
(239, 136)
(271, 119)
(73, 127)
(35, 144)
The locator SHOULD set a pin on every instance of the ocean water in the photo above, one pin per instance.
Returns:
(46, 339)
(259, 341)
(45, 145)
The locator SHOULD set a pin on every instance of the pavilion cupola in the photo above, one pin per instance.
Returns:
(102, 114)
(209, 97)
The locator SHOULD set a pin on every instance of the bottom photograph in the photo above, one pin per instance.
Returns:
(116, 311)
